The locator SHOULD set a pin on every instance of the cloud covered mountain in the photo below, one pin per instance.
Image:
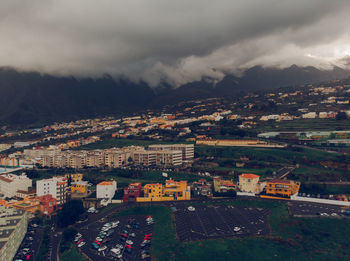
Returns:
(30, 97)
(176, 42)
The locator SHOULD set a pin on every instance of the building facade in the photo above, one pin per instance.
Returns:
(145, 158)
(169, 158)
(80, 187)
(282, 187)
(56, 186)
(132, 192)
(106, 189)
(222, 185)
(171, 191)
(249, 183)
(10, 184)
(13, 227)
(187, 150)
(202, 188)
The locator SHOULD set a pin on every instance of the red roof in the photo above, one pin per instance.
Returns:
(5, 179)
(249, 176)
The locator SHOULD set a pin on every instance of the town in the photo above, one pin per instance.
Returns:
(242, 160)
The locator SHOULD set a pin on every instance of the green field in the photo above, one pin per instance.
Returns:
(303, 125)
(263, 161)
(290, 238)
(72, 254)
(278, 155)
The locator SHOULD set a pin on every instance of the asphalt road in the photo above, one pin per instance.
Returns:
(36, 242)
(309, 209)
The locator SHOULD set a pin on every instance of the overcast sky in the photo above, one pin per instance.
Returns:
(174, 41)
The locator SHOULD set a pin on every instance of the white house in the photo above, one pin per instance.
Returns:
(10, 183)
(106, 189)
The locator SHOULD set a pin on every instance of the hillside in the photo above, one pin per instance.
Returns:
(32, 98)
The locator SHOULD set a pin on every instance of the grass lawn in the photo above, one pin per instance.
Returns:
(304, 125)
(110, 143)
(290, 238)
(72, 255)
(44, 247)
(278, 155)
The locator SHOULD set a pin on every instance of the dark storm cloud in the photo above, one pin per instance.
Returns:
(177, 41)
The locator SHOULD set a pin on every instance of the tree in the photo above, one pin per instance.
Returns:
(67, 237)
(341, 116)
(32, 174)
(70, 212)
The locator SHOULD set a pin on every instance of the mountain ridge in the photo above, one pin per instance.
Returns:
(31, 97)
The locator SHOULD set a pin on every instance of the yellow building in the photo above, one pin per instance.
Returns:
(249, 183)
(282, 187)
(173, 190)
(77, 177)
(80, 187)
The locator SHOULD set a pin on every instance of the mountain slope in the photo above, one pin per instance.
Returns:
(29, 97)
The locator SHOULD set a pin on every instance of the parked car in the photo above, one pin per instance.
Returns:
(115, 251)
(102, 248)
(81, 244)
(94, 245)
(190, 208)
(119, 246)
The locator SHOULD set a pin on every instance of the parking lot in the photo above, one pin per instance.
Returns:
(30, 244)
(215, 221)
(114, 246)
(309, 209)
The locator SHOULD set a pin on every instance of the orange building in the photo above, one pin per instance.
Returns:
(45, 204)
(80, 187)
(282, 187)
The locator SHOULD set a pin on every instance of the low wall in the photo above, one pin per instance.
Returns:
(245, 194)
(321, 200)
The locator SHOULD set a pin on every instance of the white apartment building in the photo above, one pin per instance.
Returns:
(144, 157)
(187, 150)
(169, 158)
(13, 227)
(10, 183)
(106, 189)
(114, 159)
(56, 186)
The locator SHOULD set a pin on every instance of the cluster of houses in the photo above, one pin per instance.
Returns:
(249, 184)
